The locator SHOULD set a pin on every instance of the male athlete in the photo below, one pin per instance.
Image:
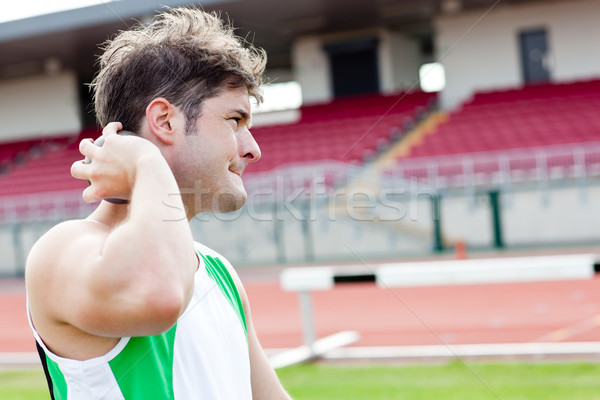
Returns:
(124, 304)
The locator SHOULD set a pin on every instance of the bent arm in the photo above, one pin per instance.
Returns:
(134, 279)
(146, 265)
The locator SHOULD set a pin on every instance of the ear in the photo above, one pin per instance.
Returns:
(164, 120)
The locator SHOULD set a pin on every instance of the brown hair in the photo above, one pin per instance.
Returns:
(185, 55)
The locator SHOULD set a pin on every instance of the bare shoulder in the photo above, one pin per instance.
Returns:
(56, 278)
(53, 261)
(62, 242)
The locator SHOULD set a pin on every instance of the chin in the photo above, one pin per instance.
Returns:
(229, 201)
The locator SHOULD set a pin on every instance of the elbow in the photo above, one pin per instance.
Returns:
(156, 306)
(164, 307)
(165, 293)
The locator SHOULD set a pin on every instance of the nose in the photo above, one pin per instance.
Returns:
(248, 147)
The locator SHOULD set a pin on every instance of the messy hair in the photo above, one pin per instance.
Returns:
(185, 55)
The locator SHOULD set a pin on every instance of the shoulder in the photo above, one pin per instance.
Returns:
(71, 229)
(52, 256)
(49, 260)
(61, 237)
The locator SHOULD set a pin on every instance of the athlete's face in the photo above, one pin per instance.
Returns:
(210, 162)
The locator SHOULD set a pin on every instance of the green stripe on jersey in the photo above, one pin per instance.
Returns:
(59, 385)
(144, 369)
(218, 271)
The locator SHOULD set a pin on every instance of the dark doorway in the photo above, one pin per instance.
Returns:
(534, 53)
(354, 67)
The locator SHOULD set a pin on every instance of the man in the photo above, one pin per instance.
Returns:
(124, 304)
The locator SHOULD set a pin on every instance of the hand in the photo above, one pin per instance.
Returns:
(111, 169)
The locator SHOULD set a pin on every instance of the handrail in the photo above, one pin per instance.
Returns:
(321, 179)
(573, 160)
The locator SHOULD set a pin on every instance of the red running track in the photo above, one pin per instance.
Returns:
(498, 313)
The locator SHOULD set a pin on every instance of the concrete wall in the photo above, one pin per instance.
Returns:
(391, 228)
(467, 219)
(40, 106)
(529, 217)
(399, 60)
(568, 214)
(311, 69)
(482, 52)
(255, 236)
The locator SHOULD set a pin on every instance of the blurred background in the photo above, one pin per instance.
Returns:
(397, 128)
(392, 130)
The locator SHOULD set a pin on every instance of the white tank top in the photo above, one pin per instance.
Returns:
(204, 356)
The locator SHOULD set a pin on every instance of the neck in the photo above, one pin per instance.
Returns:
(110, 214)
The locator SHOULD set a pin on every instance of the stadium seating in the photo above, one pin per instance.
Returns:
(355, 129)
(44, 165)
(532, 116)
(349, 129)
(13, 153)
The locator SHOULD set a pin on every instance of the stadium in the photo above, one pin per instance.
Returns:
(426, 191)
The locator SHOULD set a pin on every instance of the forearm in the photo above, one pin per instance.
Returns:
(150, 255)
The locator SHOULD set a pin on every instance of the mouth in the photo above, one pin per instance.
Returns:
(237, 171)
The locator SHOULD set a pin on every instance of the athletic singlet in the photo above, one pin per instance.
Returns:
(204, 356)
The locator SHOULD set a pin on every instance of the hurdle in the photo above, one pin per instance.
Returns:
(305, 280)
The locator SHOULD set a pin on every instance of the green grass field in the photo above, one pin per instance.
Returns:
(454, 381)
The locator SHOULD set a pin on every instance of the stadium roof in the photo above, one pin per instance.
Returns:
(72, 37)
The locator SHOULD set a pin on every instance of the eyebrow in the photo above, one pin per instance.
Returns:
(245, 116)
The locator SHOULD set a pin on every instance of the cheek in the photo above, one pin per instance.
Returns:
(219, 146)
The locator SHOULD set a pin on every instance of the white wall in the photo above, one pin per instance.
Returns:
(311, 69)
(556, 215)
(40, 106)
(467, 219)
(483, 53)
(529, 217)
(401, 56)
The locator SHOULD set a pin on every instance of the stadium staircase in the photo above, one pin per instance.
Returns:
(547, 131)
(350, 130)
(412, 138)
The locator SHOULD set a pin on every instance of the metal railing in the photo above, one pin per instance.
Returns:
(43, 207)
(323, 179)
(537, 164)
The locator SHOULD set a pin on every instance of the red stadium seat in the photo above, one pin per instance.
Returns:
(349, 129)
(532, 116)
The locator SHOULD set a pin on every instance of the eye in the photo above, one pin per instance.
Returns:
(236, 120)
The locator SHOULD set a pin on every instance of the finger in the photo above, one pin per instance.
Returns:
(89, 195)
(112, 128)
(88, 148)
(79, 170)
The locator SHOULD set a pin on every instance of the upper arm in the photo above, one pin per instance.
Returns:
(265, 383)
(67, 284)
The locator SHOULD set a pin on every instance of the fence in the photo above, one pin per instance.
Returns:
(322, 180)
(500, 168)
(333, 211)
